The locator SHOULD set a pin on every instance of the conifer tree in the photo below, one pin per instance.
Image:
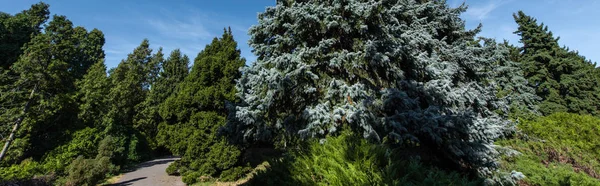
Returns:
(196, 110)
(398, 71)
(129, 83)
(41, 97)
(93, 96)
(565, 81)
(172, 72)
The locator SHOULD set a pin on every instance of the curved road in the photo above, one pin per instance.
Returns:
(151, 173)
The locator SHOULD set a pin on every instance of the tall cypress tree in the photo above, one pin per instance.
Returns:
(565, 81)
(398, 71)
(196, 110)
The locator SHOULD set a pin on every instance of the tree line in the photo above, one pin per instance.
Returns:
(399, 85)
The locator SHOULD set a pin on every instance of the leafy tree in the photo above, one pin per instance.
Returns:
(399, 71)
(565, 81)
(17, 30)
(196, 110)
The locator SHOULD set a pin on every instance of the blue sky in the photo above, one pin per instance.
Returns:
(190, 25)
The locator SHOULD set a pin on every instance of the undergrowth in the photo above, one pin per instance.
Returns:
(560, 149)
(349, 159)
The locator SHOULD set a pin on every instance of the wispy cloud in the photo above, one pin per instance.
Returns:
(190, 27)
(482, 12)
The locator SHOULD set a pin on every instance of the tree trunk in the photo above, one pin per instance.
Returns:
(17, 123)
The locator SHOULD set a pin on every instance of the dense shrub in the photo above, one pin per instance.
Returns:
(557, 149)
(27, 169)
(191, 177)
(172, 169)
(89, 171)
(83, 142)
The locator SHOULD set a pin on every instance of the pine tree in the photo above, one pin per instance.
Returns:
(196, 110)
(565, 81)
(397, 71)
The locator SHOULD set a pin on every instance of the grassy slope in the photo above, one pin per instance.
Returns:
(560, 149)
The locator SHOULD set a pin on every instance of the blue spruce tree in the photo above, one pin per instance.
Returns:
(395, 71)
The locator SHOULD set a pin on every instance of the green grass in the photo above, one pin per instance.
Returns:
(560, 149)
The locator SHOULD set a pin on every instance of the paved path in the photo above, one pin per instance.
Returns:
(151, 173)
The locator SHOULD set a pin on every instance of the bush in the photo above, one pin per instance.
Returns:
(235, 173)
(89, 171)
(83, 142)
(557, 149)
(172, 169)
(349, 159)
(26, 170)
(191, 177)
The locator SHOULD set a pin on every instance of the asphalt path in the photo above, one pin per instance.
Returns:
(151, 173)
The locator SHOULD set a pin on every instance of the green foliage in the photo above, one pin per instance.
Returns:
(235, 173)
(130, 83)
(194, 112)
(17, 30)
(23, 171)
(88, 172)
(174, 70)
(565, 81)
(191, 177)
(83, 143)
(92, 96)
(559, 149)
(403, 70)
(50, 65)
(172, 169)
(349, 159)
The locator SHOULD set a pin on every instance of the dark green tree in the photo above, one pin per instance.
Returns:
(92, 96)
(17, 30)
(172, 72)
(196, 110)
(45, 78)
(565, 81)
(129, 87)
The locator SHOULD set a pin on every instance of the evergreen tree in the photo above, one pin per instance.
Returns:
(565, 81)
(398, 71)
(170, 73)
(45, 77)
(129, 83)
(17, 30)
(196, 110)
(93, 96)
